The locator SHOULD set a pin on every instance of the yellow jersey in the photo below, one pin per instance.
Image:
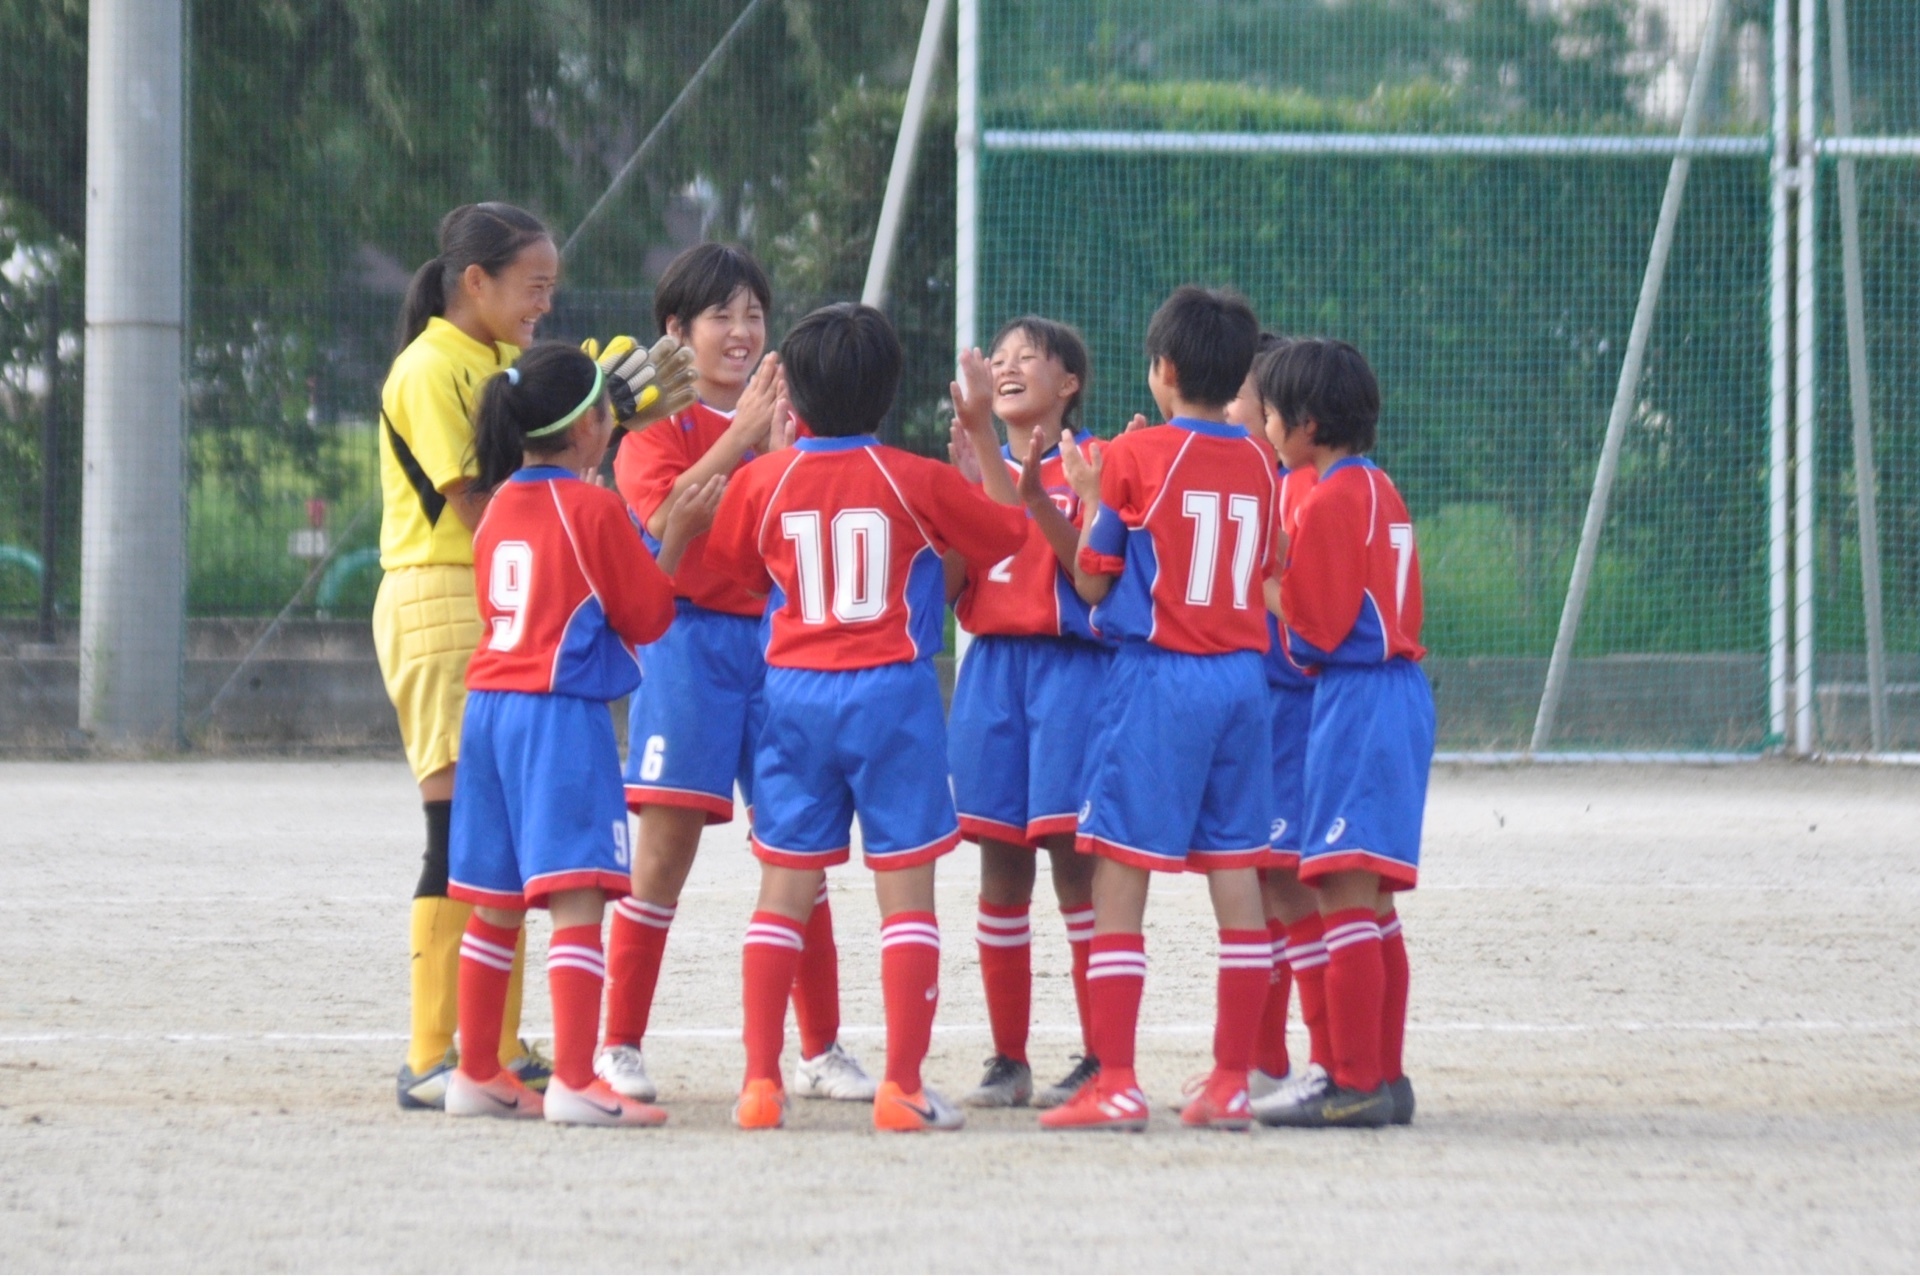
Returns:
(426, 443)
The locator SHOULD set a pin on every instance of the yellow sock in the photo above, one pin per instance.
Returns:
(436, 926)
(510, 1019)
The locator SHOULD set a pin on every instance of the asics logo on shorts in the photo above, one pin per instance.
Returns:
(1333, 834)
(1086, 810)
(1279, 831)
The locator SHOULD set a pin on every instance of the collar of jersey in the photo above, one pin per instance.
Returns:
(1347, 462)
(1218, 429)
(846, 443)
(540, 474)
(1006, 450)
(450, 333)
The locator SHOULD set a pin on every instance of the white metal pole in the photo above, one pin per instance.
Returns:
(133, 518)
(966, 193)
(906, 149)
(1779, 367)
(966, 204)
(1628, 387)
(1865, 473)
(1806, 380)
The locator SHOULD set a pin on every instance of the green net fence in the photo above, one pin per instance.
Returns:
(1457, 190)
(1467, 190)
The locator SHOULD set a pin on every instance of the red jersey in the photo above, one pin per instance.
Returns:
(1351, 591)
(1028, 593)
(1186, 523)
(645, 469)
(1295, 487)
(847, 536)
(566, 590)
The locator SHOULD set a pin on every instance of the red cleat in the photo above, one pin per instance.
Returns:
(1105, 1103)
(1220, 1104)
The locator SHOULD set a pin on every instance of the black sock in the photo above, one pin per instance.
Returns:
(433, 865)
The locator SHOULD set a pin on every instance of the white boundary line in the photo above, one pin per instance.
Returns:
(1679, 1027)
(1514, 757)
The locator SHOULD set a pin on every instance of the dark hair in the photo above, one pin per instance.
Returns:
(1267, 344)
(842, 364)
(1056, 340)
(706, 275)
(1208, 334)
(1326, 382)
(489, 236)
(541, 387)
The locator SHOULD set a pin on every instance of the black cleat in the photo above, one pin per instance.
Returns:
(1328, 1105)
(1008, 1084)
(1085, 1069)
(1401, 1091)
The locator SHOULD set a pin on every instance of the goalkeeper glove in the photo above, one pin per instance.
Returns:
(645, 385)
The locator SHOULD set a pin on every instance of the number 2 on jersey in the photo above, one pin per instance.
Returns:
(1204, 509)
(509, 583)
(861, 560)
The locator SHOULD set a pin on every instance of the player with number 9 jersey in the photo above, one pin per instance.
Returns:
(567, 590)
(1186, 525)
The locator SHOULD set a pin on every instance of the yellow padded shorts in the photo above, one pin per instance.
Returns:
(426, 627)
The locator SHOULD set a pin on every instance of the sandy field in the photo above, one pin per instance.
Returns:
(1662, 1018)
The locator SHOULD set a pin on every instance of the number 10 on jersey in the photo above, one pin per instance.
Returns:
(861, 563)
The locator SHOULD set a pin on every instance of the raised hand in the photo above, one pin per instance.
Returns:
(973, 392)
(1082, 468)
(1031, 489)
(690, 514)
(1139, 422)
(965, 458)
(753, 417)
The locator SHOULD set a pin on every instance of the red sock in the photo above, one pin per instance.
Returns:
(768, 959)
(816, 985)
(576, 973)
(1116, 976)
(1080, 940)
(910, 982)
(1246, 965)
(1356, 986)
(1270, 1050)
(1307, 959)
(635, 945)
(1006, 968)
(1393, 1006)
(486, 965)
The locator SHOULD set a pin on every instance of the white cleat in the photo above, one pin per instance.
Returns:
(503, 1096)
(1261, 1084)
(833, 1075)
(598, 1105)
(625, 1073)
(1298, 1084)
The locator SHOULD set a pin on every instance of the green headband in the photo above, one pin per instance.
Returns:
(593, 397)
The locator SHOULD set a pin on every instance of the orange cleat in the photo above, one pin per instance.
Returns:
(598, 1104)
(762, 1106)
(894, 1109)
(1104, 1103)
(1219, 1103)
(502, 1096)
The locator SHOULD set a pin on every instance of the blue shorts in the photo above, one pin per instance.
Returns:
(840, 743)
(536, 801)
(1292, 718)
(1181, 773)
(692, 725)
(1367, 762)
(1023, 716)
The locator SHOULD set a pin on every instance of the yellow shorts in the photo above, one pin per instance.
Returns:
(426, 627)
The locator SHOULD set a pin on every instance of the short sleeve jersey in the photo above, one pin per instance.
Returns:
(566, 590)
(426, 443)
(645, 470)
(1027, 593)
(1186, 523)
(845, 536)
(1295, 486)
(1351, 589)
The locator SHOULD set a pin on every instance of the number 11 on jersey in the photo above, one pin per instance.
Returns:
(1204, 509)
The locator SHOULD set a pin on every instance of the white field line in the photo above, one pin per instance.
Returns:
(1677, 1027)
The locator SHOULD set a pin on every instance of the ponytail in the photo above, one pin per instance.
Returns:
(489, 236)
(524, 410)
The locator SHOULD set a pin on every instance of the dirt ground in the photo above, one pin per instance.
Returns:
(1663, 1018)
